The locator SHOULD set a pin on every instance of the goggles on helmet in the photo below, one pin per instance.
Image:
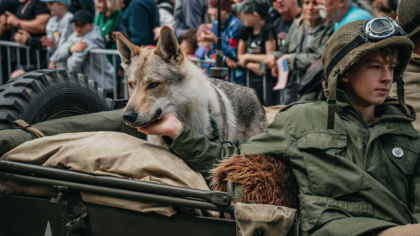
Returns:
(374, 29)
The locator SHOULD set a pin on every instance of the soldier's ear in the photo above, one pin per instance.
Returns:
(126, 49)
(168, 47)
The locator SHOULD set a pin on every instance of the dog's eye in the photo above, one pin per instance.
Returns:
(153, 85)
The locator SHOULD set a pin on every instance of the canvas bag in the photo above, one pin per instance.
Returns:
(110, 154)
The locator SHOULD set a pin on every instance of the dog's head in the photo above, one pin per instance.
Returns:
(152, 76)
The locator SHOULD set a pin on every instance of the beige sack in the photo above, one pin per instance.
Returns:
(263, 219)
(110, 154)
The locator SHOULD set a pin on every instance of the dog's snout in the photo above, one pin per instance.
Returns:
(129, 116)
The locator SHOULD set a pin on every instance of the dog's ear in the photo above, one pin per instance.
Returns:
(167, 46)
(126, 49)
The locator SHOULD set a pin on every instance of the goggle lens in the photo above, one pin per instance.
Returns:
(381, 27)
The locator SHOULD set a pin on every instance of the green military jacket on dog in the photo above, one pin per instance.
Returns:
(354, 179)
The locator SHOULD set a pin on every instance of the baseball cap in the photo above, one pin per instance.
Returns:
(67, 2)
(83, 16)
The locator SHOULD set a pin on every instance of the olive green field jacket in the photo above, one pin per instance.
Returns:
(353, 179)
(300, 59)
(411, 87)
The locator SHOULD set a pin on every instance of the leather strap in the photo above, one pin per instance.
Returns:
(21, 124)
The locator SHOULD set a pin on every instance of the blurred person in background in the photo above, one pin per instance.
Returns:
(385, 8)
(256, 39)
(108, 17)
(189, 43)
(287, 10)
(73, 54)
(230, 27)
(28, 21)
(304, 44)
(204, 48)
(342, 12)
(189, 14)
(138, 21)
(58, 30)
(166, 12)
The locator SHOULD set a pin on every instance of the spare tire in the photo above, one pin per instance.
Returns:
(48, 94)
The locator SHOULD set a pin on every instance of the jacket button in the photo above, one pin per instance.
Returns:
(259, 232)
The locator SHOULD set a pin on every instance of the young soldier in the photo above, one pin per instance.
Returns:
(356, 157)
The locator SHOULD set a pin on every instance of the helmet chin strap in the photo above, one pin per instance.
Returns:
(400, 94)
(332, 98)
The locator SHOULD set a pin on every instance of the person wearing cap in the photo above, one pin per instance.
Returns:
(73, 53)
(409, 19)
(256, 39)
(356, 156)
(229, 36)
(59, 26)
(342, 12)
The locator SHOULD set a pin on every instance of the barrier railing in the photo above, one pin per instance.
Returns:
(7, 66)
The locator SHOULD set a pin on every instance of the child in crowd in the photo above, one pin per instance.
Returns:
(204, 48)
(230, 26)
(59, 27)
(256, 39)
(189, 43)
(73, 54)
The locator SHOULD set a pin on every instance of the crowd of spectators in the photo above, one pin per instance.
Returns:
(257, 36)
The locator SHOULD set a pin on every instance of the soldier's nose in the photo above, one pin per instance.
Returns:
(129, 116)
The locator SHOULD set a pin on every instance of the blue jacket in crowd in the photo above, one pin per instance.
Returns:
(139, 20)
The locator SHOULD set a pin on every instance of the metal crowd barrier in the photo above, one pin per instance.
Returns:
(7, 48)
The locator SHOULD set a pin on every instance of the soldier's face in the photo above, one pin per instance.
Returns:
(369, 82)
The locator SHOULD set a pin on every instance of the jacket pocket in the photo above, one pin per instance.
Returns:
(317, 211)
(330, 173)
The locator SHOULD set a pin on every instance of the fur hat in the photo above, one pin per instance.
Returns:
(342, 37)
(264, 179)
(224, 4)
(409, 16)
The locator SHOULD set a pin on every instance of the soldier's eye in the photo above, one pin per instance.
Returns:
(153, 85)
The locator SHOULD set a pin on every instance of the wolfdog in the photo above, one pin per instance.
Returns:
(163, 80)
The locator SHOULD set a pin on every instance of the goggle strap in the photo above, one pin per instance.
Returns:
(360, 39)
(410, 26)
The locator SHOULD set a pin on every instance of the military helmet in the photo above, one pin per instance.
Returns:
(409, 16)
(351, 42)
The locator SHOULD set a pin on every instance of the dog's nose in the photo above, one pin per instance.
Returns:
(129, 116)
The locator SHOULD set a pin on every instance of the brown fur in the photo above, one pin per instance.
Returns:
(265, 179)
